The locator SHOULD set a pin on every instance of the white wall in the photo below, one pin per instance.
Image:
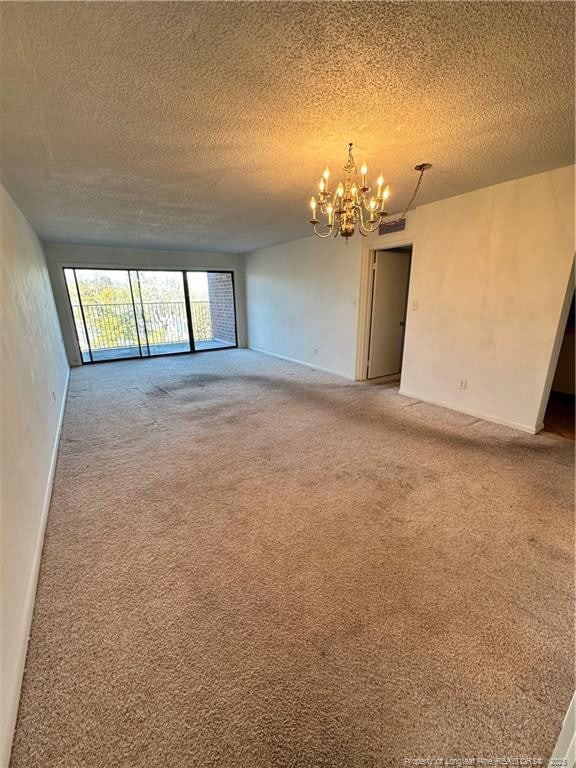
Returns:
(490, 275)
(60, 255)
(34, 375)
(302, 301)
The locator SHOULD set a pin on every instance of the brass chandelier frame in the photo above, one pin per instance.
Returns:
(352, 206)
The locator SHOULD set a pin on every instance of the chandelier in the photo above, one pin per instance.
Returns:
(353, 204)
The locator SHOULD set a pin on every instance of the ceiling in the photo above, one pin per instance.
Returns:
(206, 125)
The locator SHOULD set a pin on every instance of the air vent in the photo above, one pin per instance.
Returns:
(393, 226)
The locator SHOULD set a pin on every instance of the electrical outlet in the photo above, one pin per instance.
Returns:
(414, 306)
(462, 384)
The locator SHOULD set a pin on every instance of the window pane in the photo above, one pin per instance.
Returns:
(109, 313)
(212, 309)
(161, 304)
(77, 314)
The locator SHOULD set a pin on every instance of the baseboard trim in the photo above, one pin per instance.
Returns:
(484, 416)
(302, 362)
(12, 705)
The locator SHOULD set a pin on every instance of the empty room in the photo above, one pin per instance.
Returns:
(287, 384)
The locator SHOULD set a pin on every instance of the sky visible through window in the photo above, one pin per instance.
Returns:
(198, 285)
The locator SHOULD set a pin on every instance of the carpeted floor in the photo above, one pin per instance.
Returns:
(252, 564)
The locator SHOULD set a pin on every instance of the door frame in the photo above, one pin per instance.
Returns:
(183, 271)
(553, 363)
(369, 246)
(374, 255)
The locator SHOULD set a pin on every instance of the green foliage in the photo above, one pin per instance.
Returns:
(102, 290)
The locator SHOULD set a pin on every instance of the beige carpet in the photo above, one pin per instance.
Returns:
(251, 564)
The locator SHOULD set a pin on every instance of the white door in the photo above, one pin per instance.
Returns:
(389, 297)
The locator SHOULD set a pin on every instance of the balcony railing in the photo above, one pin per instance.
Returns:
(116, 326)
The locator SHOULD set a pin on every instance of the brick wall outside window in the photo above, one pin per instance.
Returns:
(221, 296)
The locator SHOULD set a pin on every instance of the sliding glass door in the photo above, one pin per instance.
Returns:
(106, 313)
(127, 313)
(160, 302)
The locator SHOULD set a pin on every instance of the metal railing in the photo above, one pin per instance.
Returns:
(114, 326)
(201, 320)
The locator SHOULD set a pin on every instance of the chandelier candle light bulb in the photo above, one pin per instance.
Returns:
(353, 207)
(385, 197)
(313, 206)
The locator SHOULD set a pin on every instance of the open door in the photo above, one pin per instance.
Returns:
(391, 274)
(561, 409)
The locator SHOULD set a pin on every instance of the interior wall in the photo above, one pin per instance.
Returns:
(491, 275)
(302, 300)
(486, 307)
(60, 255)
(32, 393)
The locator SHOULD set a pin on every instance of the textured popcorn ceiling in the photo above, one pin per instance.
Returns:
(206, 125)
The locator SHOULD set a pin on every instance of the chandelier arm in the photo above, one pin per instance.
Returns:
(323, 236)
(364, 230)
(360, 218)
(370, 230)
(335, 228)
(362, 225)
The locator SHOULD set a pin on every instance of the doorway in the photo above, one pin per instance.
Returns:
(560, 411)
(123, 314)
(390, 277)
